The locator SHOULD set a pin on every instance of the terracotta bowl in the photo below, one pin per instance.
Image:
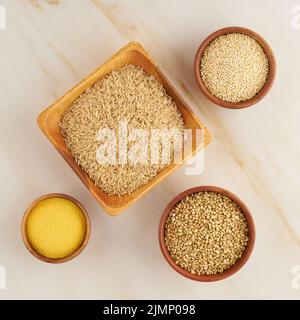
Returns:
(37, 254)
(261, 94)
(233, 269)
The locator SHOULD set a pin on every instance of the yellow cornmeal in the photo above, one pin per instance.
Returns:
(56, 227)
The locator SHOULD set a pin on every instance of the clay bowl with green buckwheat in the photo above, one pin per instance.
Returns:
(206, 233)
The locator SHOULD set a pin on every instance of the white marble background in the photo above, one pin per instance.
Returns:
(47, 48)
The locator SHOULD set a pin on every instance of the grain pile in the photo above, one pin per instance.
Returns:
(206, 233)
(234, 67)
(126, 94)
(56, 227)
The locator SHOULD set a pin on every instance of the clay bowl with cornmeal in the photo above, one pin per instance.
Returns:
(234, 67)
(55, 228)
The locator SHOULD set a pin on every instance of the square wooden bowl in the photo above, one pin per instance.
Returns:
(48, 121)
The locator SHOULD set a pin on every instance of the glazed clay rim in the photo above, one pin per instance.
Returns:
(37, 254)
(265, 89)
(233, 269)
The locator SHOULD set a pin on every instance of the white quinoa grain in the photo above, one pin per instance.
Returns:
(234, 67)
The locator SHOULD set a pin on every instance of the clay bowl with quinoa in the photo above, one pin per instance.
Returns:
(206, 233)
(234, 67)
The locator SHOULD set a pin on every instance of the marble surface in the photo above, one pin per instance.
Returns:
(47, 48)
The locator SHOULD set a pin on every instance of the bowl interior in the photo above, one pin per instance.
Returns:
(268, 51)
(230, 271)
(27, 242)
(48, 121)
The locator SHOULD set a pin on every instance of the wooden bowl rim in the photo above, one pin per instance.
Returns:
(265, 89)
(36, 253)
(230, 271)
(114, 205)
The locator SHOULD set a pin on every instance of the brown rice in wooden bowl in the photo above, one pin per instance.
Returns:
(234, 67)
(206, 233)
(98, 128)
